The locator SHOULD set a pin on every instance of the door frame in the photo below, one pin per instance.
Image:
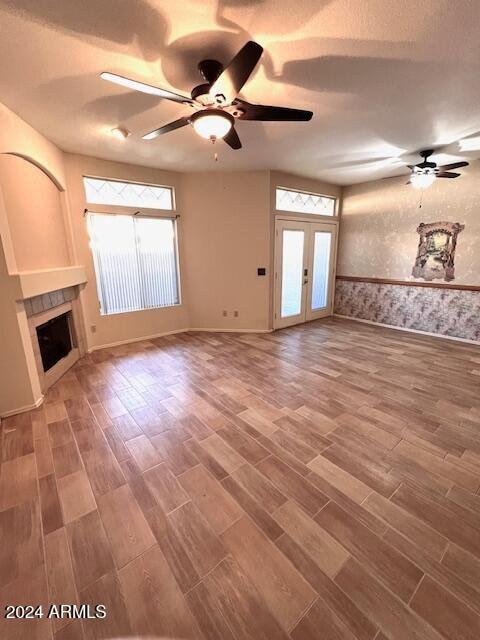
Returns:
(308, 316)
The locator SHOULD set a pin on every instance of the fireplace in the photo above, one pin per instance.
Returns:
(55, 325)
(54, 340)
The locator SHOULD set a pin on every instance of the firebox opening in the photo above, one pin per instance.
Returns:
(55, 340)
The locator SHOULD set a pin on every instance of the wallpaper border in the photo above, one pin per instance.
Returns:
(412, 283)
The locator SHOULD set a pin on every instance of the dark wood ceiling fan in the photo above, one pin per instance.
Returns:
(426, 172)
(215, 103)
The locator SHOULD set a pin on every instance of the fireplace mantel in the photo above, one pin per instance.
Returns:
(29, 284)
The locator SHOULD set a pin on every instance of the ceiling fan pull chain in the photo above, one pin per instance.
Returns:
(421, 199)
(213, 139)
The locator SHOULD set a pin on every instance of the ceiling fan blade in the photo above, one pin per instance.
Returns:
(234, 76)
(448, 174)
(171, 126)
(232, 139)
(453, 165)
(272, 114)
(144, 88)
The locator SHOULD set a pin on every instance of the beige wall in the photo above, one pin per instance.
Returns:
(19, 384)
(226, 238)
(378, 237)
(35, 217)
(103, 330)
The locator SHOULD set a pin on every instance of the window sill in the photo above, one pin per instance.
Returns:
(119, 313)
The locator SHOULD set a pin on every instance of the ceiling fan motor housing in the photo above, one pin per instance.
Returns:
(202, 90)
(426, 153)
(210, 70)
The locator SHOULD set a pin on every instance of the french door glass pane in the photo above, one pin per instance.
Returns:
(321, 263)
(292, 272)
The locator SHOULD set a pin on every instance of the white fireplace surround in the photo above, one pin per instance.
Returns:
(39, 296)
(48, 378)
(44, 297)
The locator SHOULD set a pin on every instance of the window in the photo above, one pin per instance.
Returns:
(303, 202)
(135, 262)
(128, 194)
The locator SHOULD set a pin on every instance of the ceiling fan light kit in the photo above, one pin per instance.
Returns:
(421, 180)
(215, 102)
(212, 123)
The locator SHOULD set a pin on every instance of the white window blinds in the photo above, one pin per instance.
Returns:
(135, 262)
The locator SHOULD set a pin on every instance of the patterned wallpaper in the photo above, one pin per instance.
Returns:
(378, 239)
(447, 312)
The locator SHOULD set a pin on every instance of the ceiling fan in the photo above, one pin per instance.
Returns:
(426, 172)
(215, 102)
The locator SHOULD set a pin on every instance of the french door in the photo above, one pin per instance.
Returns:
(304, 271)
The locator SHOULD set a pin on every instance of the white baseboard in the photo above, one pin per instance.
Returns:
(407, 329)
(118, 343)
(98, 347)
(29, 407)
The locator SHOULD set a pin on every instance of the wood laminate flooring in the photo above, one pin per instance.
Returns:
(318, 482)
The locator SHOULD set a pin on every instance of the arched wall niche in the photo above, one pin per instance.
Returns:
(33, 204)
(20, 138)
(37, 164)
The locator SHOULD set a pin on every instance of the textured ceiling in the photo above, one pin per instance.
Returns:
(384, 78)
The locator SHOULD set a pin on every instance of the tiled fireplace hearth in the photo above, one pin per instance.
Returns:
(47, 301)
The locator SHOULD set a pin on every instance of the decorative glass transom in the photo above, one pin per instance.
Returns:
(302, 202)
(127, 194)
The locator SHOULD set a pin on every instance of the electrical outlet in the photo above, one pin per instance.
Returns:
(235, 314)
(224, 313)
(93, 328)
